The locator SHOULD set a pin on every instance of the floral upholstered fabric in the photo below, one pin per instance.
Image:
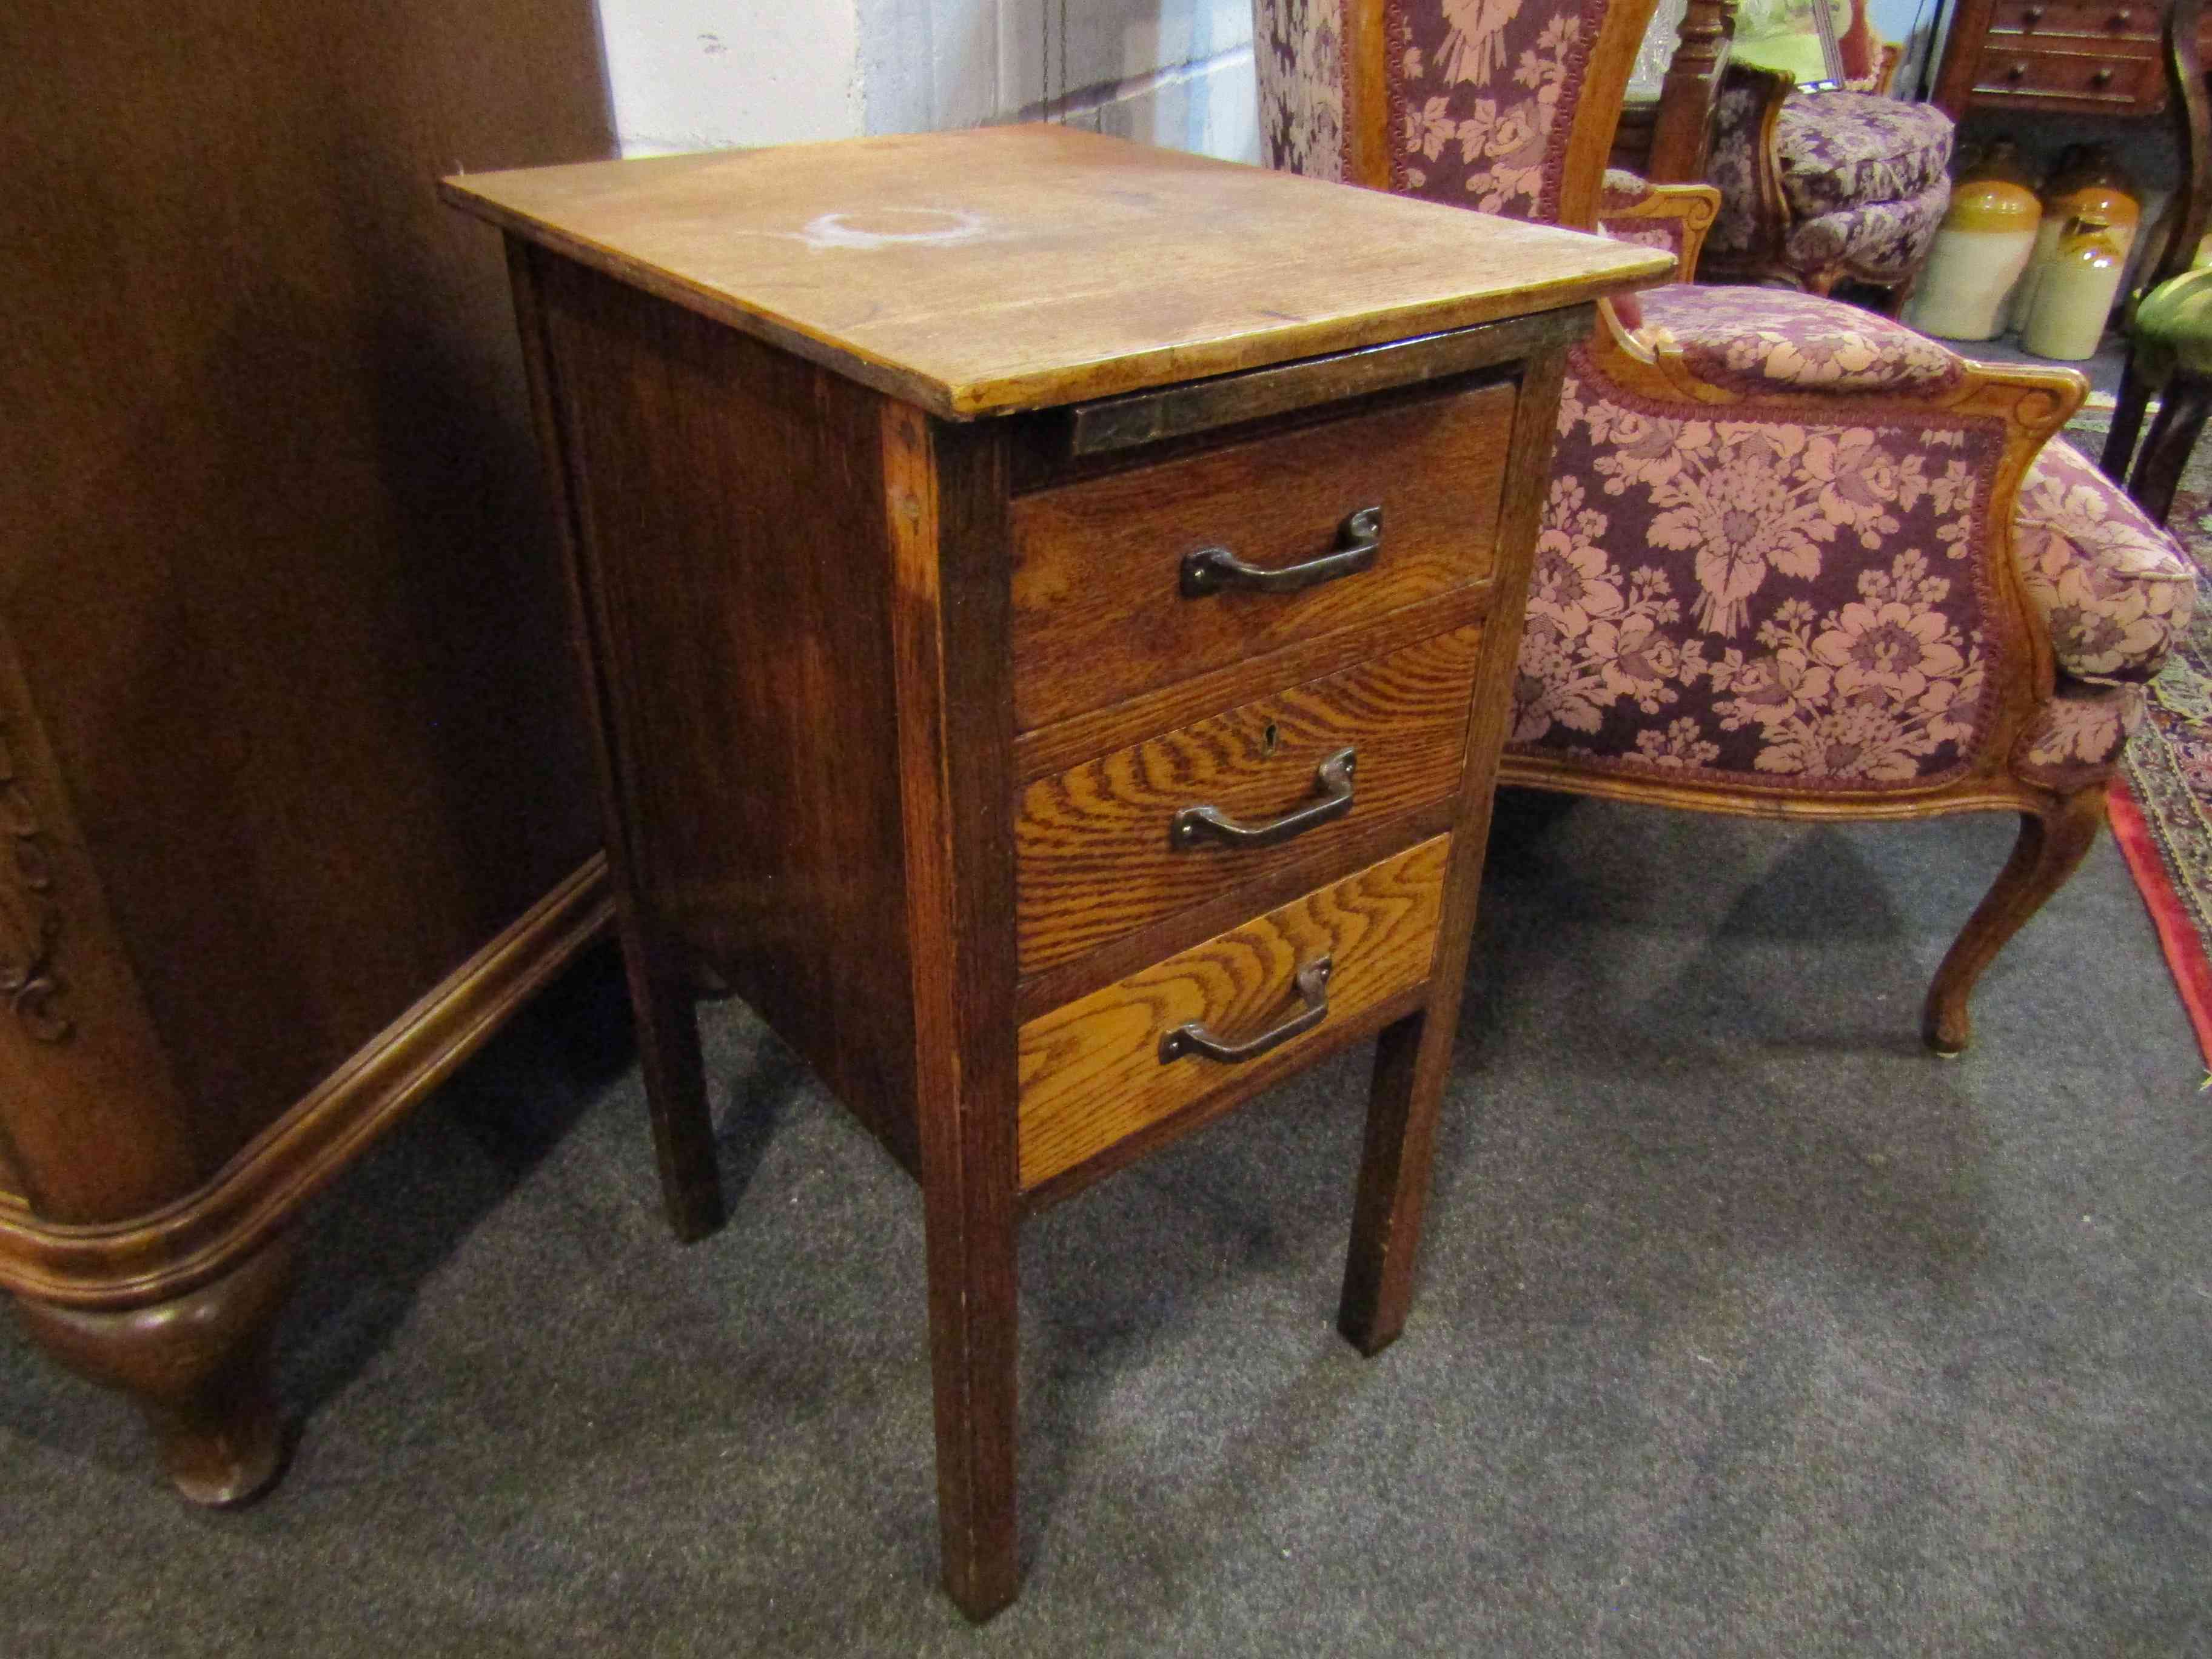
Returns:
(1840, 149)
(1883, 242)
(1767, 599)
(2078, 735)
(2113, 587)
(1801, 603)
(1623, 192)
(1732, 166)
(1863, 177)
(1766, 339)
(1482, 99)
(1299, 47)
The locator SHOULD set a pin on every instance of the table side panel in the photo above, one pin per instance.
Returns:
(730, 498)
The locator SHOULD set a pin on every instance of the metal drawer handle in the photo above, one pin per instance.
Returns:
(2103, 77)
(1332, 782)
(1358, 541)
(1194, 1039)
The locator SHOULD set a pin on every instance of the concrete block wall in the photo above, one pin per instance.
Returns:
(702, 74)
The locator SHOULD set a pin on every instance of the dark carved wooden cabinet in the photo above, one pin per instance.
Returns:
(292, 771)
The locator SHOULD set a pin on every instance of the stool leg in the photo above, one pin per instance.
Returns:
(2181, 413)
(2127, 421)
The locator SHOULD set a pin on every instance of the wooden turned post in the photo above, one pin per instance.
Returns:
(196, 1366)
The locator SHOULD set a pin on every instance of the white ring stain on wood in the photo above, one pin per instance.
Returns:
(835, 230)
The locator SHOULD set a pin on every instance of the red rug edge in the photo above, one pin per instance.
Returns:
(2177, 936)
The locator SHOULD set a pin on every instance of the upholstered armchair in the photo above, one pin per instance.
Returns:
(1816, 187)
(1797, 561)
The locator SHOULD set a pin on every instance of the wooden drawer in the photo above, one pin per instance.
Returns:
(1092, 1074)
(1095, 852)
(2105, 22)
(2089, 79)
(1099, 613)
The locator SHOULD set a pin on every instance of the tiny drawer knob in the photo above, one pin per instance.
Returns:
(2103, 77)
(2017, 72)
(2032, 16)
(2120, 19)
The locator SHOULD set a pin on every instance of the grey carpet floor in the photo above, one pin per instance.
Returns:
(1744, 1328)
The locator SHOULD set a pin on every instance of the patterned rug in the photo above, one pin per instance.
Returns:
(2161, 803)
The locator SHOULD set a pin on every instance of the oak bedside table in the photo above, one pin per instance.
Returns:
(1048, 606)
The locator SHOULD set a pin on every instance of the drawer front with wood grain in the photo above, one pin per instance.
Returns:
(2075, 21)
(2067, 80)
(1134, 836)
(1135, 579)
(1162, 1042)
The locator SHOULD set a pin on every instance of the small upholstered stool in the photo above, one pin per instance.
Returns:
(1832, 186)
(2170, 355)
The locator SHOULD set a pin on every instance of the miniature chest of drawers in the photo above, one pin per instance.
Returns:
(1048, 605)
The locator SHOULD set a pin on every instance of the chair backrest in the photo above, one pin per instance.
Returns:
(1506, 106)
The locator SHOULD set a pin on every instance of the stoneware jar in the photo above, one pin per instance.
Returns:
(2087, 180)
(1981, 247)
(2076, 295)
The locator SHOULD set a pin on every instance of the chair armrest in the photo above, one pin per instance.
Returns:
(1674, 217)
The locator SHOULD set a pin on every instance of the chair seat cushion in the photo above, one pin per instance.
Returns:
(2113, 585)
(1842, 149)
(1774, 340)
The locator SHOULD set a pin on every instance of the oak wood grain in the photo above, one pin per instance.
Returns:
(1093, 857)
(1098, 618)
(1011, 268)
(660, 979)
(1413, 1058)
(1091, 1073)
(943, 523)
(1125, 953)
(744, 668)
(1053, 748)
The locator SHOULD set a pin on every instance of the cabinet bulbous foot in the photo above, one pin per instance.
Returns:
(198, 1368)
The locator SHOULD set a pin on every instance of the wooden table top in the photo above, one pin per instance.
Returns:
(1008, 267)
